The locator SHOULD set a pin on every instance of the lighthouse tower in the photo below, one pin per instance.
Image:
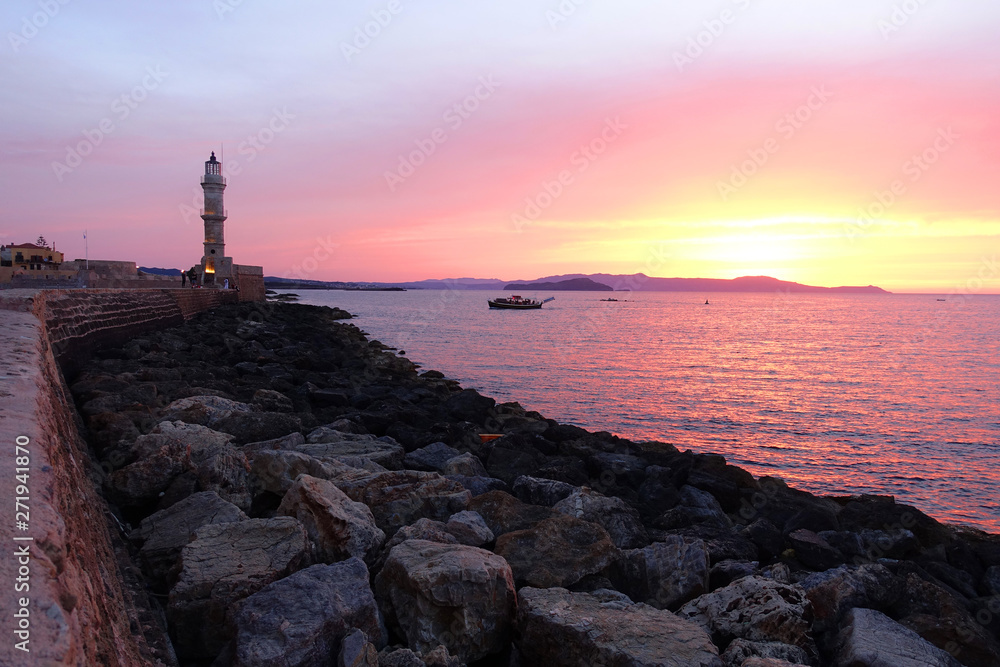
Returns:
(215, 268)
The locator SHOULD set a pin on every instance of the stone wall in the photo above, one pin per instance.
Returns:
(78, 606)
(85, 602)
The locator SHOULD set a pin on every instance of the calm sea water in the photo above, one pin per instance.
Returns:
(893, 394)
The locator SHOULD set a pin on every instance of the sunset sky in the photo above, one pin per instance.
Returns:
(829, 142)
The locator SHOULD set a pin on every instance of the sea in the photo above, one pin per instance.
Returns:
(836, 394)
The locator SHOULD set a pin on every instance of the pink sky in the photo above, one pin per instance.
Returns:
(668, 186)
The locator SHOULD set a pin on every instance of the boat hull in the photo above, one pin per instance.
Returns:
(514, 306)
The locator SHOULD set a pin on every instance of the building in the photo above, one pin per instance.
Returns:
(216, 269)
(32, 261)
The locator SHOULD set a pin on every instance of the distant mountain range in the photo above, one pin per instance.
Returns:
(572, 285)
(638, 282)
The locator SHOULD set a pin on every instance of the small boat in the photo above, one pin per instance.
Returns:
(609, 300)
(516, 302)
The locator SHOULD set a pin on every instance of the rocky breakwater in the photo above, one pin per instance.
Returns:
(297, 494)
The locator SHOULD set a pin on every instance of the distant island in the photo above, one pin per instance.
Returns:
(573, 285)
(603, 282)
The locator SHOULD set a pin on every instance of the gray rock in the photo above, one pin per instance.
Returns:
(286, 442)
(326, 443)
(563, 629)
(894, 543)
(173, 448)
(469, 528)
(432, 458)
(357, 651)
(303, 619)
(873, 639)
(770, 662)
(465, 465)
(695, 507)
(267, 400)
(813, 551)
(480, 485)
(834, 592)
(665, 574)
(766, 537)
(539, 491)
(455, 595)
(276, 471)
(741, 650)
(256, 426)
(756, 609)
(398, 498)
(557, 552)
(726, 572)
(615, 515)
(203, 410)
(338, 526)
(504, 513)
(400, 657)
(165, 533)
(226, 563)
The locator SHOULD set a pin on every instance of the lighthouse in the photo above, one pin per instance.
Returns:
(216, 269)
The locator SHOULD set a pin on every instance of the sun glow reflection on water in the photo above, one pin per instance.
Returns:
(837, 394)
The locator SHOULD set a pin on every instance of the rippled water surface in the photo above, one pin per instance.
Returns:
(836, 394)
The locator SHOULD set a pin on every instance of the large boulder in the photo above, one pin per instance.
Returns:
(539, 491)
(455, 595)
(276, 471)
(470, 529)
(303, 619)
(559, 551)
(327, 443)
(246, 427)
(338, 526)
(873, 639)
(290, 441)
(615, 515)
(694, 507)
(431, 458)
(504, 513)
(267, 400)
(944, 619)
(203, 410)
(465, 465)
(468, 405)
(740, 651)
(756, 609)
(175, 447)
(814, 551)
(165, 533)
(226, 563)
(665, 574)
(834, 592)
(398, 498)
(558, 628)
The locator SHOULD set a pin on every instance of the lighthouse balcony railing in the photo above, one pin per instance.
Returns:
(224, 214)
(214, 177)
